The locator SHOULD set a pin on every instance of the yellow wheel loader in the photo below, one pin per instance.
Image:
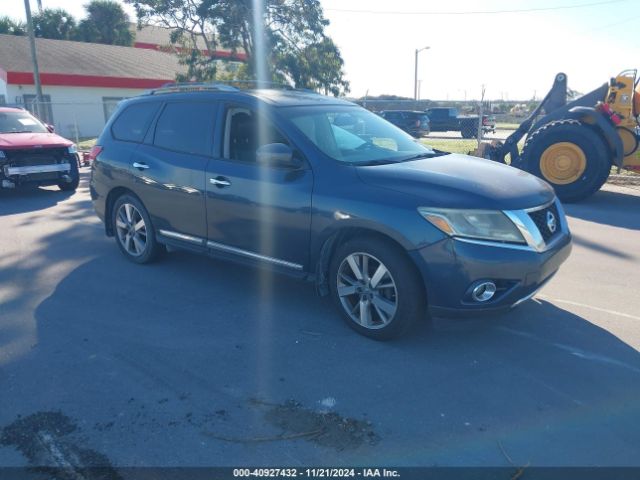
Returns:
(573, 145)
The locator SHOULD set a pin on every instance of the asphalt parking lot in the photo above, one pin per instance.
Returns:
(197, 362)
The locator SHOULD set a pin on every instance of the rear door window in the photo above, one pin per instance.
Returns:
(132, 124)
(186, 127)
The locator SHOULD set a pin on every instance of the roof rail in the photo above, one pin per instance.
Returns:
(223, 86)
(191, 87)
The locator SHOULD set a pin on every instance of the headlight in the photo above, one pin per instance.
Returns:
(481, 224)
(73, 149)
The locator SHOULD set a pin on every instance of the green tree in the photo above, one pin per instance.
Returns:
(297, 50)
(57, 24)
(317, 66)
(106, 22)
(10, 27)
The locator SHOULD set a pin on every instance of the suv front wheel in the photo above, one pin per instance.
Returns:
(376, 288)
(72, 185)
(133, 230)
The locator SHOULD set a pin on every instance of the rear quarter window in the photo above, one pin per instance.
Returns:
(186, 127)
(132, 124)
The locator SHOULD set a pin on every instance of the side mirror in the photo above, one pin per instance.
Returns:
(277, 154)
(51, 128)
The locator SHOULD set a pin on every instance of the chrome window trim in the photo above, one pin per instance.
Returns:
(181, 236)
(245, 253)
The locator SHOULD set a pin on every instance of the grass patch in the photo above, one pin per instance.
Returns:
(453, 146)
(456, 145)
(507, 126)
(86, 144)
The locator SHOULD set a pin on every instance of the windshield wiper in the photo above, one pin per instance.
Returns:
(369, 163)
(419, 156)
(20, 131)
(388, 161)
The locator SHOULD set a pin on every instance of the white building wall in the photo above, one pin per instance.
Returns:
(78, 112)
(3, 90)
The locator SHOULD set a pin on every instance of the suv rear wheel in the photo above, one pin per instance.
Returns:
(376, 288)
(133, 230)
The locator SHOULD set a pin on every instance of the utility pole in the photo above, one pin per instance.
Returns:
(415, 78)
(34, 58)
(480, 115)
(40, 6)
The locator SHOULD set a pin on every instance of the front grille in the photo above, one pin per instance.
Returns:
(36, 156)
(541, 219)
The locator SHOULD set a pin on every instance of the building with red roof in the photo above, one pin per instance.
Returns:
(83, 82)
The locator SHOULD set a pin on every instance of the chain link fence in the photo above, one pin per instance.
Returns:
(77, 121)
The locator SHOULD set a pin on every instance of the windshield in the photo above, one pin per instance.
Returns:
(19, 122)
(355, 135)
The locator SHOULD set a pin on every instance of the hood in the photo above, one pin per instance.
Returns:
(461, 181)
(14, 141)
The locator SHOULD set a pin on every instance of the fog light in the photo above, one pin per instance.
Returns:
(483, 291)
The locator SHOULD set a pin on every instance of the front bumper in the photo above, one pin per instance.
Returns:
(450, 267)
(31, 169)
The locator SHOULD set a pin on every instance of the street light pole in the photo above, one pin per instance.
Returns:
(415, 78)
(34, 58)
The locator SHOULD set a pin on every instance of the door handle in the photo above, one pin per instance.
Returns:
(140, 166)
(220, 182)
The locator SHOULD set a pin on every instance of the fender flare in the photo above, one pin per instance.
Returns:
(590, 116)
(319, 263)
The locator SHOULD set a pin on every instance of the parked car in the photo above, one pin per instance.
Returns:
(322, 189)
(447, 119)
(31, 153)
(414, 123)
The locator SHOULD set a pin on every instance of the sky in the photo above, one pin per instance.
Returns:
(515, 55)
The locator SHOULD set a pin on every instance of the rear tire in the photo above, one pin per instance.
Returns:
(376, 287)
(134, 231)
(586, 154)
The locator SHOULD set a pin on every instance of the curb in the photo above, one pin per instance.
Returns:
(624, 179)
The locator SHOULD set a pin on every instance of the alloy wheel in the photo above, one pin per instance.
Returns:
(131, 229)
(367, 290)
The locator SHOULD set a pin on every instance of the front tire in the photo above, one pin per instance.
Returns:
(572, 157)
(71, 186)
(376, 288)
(133, 230)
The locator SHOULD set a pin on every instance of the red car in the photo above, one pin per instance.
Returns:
(30, 153)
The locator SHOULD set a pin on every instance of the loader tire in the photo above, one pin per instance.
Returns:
(571, 156)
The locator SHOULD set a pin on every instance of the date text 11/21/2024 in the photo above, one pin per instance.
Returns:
(316, 472)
